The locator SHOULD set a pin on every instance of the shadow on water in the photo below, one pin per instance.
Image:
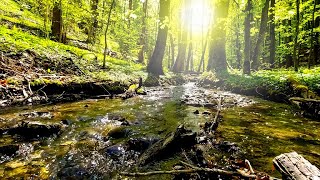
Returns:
(262, 129)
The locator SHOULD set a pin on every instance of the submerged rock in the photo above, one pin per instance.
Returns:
(31, 130)
(140, 144)
(9, 150)
(119, 132)
(37, 114)
(115, 151)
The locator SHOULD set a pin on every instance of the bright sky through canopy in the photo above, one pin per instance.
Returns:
(201, 13)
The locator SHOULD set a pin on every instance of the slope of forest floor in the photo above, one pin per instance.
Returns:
(35, 69)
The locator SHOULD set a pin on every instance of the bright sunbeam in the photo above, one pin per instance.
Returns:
(199, 14)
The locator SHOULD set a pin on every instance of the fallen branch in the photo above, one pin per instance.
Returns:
(215, 120)
(190, 171)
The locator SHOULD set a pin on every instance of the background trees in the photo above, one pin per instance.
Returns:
(219, 35)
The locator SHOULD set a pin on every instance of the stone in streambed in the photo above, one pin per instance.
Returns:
(119, 132)
(31, 130)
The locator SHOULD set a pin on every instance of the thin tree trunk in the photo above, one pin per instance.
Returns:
(203, 52)
(143, 33)
(311, 59)
(189, 58)
(172, 50)
(93, 28)
(289, 59)
(155, 65)
(105, 35)
(272, 34)
(247, 49)
(262, 31)
(296, 46)
(182, 47)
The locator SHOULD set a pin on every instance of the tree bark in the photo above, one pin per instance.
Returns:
(247, 49)
(272, 34)
(182, 47)
(93, 29)
(217, 54)
(262, 31)
(189, 57)
(143, 33)
(155, 65)
(57, 22)
(289, 59)
(296, 46)
(172, 50)
(105, 35)
(311, 59)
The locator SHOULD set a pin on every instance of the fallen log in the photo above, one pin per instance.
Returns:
(294, 166)
(171, 144)
(310, 107)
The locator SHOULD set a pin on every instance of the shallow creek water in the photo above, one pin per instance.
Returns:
(261, 129)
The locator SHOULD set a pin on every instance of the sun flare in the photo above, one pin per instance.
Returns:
(198, 13)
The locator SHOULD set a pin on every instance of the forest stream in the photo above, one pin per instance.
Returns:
(96, 138)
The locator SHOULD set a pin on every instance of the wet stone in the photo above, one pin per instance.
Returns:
(37, 114)
(115, 151)
(66, 122)
(119, 132)
(141, 144)
(31, 130)
(196, 112)
(9, 150)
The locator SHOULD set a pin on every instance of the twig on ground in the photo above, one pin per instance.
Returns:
(193, 170)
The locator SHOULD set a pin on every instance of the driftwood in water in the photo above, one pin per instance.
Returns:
(171, 144)
(294, 166)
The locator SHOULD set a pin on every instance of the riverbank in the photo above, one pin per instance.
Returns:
(276, 85)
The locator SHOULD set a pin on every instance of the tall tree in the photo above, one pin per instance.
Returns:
(217, 53)
(106, 33)
(289, 59)
(189, 57)
(312, 58)
(182, 48)
(94, 24)
(155, 64)
(272, 34)
(262, 31)
(143, 34)
(247, 40)
(295, 48)
(57, 22)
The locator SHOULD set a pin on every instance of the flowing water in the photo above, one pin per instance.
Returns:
(261, 129)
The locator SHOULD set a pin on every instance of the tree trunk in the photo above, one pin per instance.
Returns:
(105, 35)
(311, 59)
(289, 59)
(93, 29)
(143, 33)
(217, 54)
(172, 50)
(203, 52)
(262, 31)
(182, 47)
(247, 49)
(155, 65)
(238, 44)
(296, 46)
(272, 34)
(189, 58)
(57, 22)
